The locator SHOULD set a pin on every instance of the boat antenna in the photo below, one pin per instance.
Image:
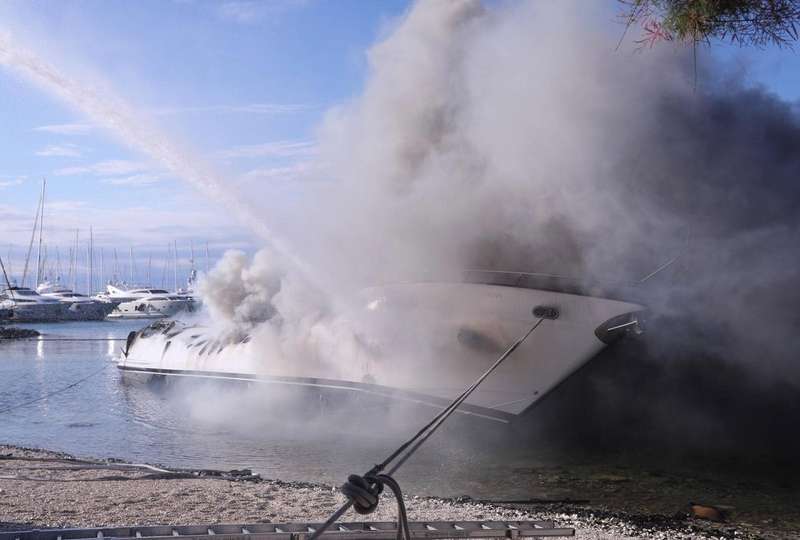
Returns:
(41, 230)
(672, 260)
(30, 244)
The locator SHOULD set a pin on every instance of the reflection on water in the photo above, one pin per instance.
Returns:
(273, 430)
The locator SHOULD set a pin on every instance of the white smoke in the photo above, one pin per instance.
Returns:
(480, 129)
(516, 137)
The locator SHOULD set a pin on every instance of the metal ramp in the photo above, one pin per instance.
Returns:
(376, 530)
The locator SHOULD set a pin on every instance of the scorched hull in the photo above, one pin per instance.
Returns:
(424, 342)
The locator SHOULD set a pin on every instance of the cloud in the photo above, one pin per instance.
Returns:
(251, 108)
(105, 168)
(5, 183)
(66, 129)
(134, 180)
(254, 11)
(271, 149)
(65, 206)
(302, 170)
(60, 150)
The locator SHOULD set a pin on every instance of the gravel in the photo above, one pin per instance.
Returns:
(41, 489)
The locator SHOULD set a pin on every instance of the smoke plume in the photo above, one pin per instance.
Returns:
(515, 136)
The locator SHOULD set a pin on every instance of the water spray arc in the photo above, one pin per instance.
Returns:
(131, 128)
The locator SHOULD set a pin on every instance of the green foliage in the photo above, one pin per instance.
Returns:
(747, 22)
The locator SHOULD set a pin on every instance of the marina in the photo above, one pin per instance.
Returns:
(399, 270)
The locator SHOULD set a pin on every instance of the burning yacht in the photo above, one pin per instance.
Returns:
(421, 342)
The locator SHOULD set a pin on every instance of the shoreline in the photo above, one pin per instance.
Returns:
(46, 489)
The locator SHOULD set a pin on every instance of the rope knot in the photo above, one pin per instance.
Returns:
(364, 491)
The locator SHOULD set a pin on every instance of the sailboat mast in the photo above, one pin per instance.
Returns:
(30, 244)
(75, 273)
(8, 283)
(130, 267)
(116, 267)
(58, 264)
(102, 268)
(41, 227)
(91, 261)
(175, 263)
(164, 266)
(150, 270)
(8, 262)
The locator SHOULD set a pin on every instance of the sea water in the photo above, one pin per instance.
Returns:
(207, 427)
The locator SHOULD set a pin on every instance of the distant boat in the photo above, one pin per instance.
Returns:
(145, 303)
(27, 305)
(79, 306)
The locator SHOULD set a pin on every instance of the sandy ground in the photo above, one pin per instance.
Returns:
(41, 489)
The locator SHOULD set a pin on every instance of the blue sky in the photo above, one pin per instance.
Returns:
(241, 83)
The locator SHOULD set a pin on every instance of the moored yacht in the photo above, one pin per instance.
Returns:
(26, 305)
(418, 342)
(144, 302)
(79, 307)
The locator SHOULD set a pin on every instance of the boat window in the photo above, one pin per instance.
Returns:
(157, 291)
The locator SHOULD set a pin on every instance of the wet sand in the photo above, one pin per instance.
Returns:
(42, 489)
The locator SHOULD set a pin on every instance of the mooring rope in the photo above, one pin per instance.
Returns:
(54, 392)
(363, 492)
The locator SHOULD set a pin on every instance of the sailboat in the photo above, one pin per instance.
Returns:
(24, 304)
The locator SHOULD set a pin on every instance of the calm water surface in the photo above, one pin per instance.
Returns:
(209, 427)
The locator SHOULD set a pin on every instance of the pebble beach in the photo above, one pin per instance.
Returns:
(42, 489)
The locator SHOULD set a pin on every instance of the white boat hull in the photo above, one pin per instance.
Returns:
(150, 309)
(31, 313)
(87, 311)
(426, 343)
